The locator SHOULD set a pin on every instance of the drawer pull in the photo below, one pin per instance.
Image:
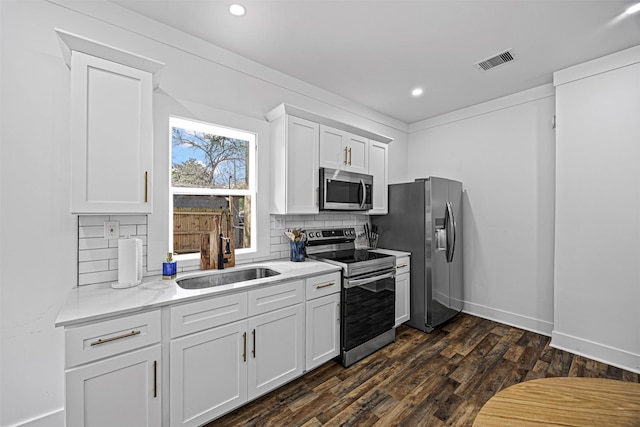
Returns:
(146, 186)
(155, 378)
(101, 341)
(401, 266)
(244, 351)
(326, 285)
(254, 343)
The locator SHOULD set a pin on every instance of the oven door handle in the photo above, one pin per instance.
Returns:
(359, 282)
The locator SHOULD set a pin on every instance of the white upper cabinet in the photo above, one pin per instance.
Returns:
(379, 168)
(302, 142)
(294, 166)
(343, 150)
(111, 127)
(112, 146)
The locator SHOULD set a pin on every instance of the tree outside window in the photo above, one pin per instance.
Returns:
(212, 170)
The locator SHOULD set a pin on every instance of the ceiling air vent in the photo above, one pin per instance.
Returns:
(496, 60)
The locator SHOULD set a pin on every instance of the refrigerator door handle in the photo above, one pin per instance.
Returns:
(450, 225)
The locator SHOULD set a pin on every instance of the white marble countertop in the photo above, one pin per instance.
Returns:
(96, 302)
(391, 252)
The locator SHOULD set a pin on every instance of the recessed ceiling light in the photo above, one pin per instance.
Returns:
(633, 9)
(237, 10)
(416, 92)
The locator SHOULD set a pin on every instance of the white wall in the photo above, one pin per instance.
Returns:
(597, 253)
(38, 245)
(503, 152)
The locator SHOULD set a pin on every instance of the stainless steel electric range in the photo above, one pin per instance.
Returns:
(368, 291)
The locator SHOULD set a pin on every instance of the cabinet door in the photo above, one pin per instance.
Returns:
(111, 116)
(343, 150)
(322, 330)
(208, 374)
(357, 154)
(122, 390)
(402, 298)
(277, 346)
(302, 166)
(378, 167)
(333, 148)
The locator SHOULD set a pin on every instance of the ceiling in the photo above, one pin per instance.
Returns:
(375, 52)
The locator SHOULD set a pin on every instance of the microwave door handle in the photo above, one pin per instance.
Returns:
(363, 199)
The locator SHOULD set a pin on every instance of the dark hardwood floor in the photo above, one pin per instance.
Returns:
(436, 379)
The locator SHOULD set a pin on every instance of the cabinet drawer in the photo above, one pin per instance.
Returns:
(95, 341)
(403, 265)
(201, 315)
(320, 286)
(270, 298)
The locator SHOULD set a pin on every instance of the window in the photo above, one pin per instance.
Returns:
(212, 185)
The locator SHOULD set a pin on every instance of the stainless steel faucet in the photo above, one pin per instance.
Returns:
(221, 254)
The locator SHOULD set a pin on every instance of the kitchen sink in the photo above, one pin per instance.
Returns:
(225, 278)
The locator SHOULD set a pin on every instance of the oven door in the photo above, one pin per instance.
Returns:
(368, 307)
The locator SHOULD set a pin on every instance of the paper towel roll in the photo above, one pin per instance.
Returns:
(129, 263)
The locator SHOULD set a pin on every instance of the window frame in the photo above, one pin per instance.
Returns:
(193, 259)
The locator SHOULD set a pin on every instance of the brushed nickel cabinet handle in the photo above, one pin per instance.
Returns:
(345, 156)
(146, 186)
(254, 343)
(401, 266)
(155, 378)
(101, 341)
(244, 350)
(349, 156)
(326, 285)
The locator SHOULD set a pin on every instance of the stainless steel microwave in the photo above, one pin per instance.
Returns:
(345, 191)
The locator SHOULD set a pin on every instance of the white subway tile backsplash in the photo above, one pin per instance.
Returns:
(129, 219)
(97, 254)
(93, 266)
(101, 277)
(89, 220)
(92, 243)
(90, 231)
(128, 230)
(98, 257)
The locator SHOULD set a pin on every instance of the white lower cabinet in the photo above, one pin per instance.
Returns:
(323, 330)
(119, 391)
(208, 374)
(277, 349)
(215, 370)
(403, 289)
(322, 319)
(113, 374)
(222, 352)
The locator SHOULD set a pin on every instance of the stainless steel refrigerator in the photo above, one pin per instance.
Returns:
(425, 218)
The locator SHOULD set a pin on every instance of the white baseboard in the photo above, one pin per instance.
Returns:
(599, 352)
(52, 419)
(539, 326)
